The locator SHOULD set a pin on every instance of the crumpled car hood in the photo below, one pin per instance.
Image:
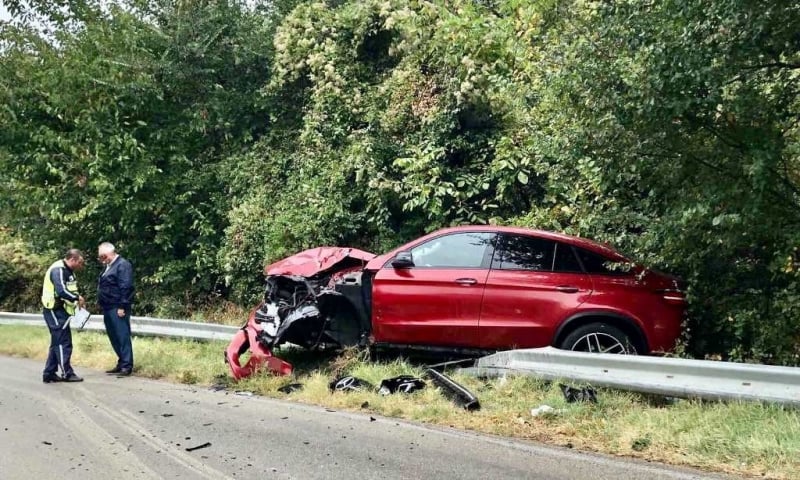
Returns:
(311, 262)
(311, 300)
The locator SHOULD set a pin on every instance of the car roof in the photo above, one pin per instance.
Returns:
(591, 245)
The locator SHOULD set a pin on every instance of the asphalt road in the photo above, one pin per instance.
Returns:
(120, 428)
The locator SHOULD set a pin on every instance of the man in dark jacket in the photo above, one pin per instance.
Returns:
(60, 298)
(115, 295)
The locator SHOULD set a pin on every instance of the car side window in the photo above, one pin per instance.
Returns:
(566, 261)
(600, 265)
(520, 252)
(457, 250)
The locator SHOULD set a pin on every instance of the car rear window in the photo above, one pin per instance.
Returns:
(566, 261)
(519, 252)
(598, 264)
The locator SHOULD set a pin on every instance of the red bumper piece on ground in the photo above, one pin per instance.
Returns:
(260, 357)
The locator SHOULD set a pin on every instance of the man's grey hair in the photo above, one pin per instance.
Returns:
(106, 247)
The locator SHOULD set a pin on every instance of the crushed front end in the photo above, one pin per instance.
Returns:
(314, 299)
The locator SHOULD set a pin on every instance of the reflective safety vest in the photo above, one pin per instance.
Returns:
(49, 290)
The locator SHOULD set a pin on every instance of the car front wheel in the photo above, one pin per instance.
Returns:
(599, 338)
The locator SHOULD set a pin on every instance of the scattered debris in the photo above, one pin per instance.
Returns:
(290, 388)
(205, 445)
(545, 411)
(165, 415)
(208, 424)
(349, 384)
(440, 366)
(243, 393)
(46, 442)
(402, 384)
(365, 405)
(372, 419)
(573, 394)
(453, 390)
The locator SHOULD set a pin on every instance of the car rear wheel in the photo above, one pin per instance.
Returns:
(599, 338)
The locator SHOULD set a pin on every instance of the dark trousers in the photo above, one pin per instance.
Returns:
(119, 334)
(60, 343)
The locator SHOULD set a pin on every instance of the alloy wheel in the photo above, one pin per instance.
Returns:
(598, 342)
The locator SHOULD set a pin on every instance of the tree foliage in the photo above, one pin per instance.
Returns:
(208, 138)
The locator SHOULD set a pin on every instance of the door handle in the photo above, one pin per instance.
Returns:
(466, 281)
(567, 289)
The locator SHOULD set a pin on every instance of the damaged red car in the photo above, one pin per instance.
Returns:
(469, 289)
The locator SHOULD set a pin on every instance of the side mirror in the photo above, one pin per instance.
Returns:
(403, 260)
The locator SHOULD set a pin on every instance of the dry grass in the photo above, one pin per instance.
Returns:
(225, 313)
(741, 438)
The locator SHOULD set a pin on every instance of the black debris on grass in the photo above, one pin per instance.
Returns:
(573, 394)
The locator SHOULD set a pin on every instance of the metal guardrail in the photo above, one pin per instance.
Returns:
(665, 376)
(146, 326)
(675, 377)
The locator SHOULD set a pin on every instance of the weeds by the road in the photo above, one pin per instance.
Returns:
(741, 438)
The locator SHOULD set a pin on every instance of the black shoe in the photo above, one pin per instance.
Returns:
(124, 372)
(72, 378)
(51, 378)
(114, 370)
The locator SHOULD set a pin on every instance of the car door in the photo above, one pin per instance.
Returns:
(534, 283)
(437, 301)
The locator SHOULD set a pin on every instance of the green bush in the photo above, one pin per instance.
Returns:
(21, 274)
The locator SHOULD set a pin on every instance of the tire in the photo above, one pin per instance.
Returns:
(599, 337)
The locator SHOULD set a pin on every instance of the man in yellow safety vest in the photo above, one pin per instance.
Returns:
(60, 298)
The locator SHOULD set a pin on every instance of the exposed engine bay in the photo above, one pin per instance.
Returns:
(300, 311)
(315, 299)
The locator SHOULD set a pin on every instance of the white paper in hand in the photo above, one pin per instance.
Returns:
(79, 319)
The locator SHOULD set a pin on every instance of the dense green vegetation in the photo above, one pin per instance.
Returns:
(206, 138)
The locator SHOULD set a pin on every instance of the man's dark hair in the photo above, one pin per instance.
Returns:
(72, 254)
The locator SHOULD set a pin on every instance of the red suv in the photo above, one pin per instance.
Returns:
(482, 288)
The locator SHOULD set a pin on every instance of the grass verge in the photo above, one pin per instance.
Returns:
(740, 438)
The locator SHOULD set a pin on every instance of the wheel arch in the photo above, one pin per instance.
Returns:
(624, 323)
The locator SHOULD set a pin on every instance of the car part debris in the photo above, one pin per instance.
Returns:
(290, 388)
(402, 384)
(442, 365)
(312, 299)
(260, 357)
(573, 394)
(453, 390)
(349, 384)
(205, 445)
(545, 411)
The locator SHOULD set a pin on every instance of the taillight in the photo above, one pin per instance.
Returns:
(672, 295)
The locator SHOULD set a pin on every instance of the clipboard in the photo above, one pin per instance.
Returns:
(79, 319)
